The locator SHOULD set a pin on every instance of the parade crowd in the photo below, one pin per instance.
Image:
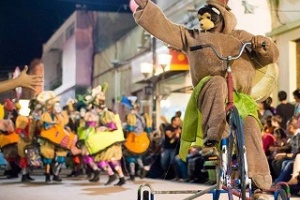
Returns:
(89, 138)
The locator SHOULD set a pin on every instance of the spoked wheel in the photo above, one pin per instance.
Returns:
(240, 150)
(281, 195)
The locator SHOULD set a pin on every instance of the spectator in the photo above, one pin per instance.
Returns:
(280, 140)
(294, 182)
(267, 137)
(269, 101)
(171, 141)
(296, 94)
(285, 109)
(296, 171)
(178, 114)
(292, 148)
(265, 110)
(276, 121)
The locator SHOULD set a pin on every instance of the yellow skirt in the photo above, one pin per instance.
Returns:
(112, 153)
(49, 150)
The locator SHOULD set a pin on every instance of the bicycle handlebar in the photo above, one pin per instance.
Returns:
(228, 58)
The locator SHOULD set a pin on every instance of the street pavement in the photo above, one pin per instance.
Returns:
(80, 188)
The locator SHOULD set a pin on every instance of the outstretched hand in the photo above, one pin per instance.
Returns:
(29, 81)
(141, 3)
(260, 44)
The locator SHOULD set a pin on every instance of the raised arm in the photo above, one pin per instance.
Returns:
(152, 19)
(23, 80)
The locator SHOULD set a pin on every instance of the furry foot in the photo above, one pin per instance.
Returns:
(262, 181)
(258, 195)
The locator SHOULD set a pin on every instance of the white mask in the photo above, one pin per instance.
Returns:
(82, 112)
(57, 108)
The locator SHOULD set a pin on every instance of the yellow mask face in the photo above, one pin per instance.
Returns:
(205, 22)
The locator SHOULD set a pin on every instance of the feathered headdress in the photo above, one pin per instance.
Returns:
(97, 96)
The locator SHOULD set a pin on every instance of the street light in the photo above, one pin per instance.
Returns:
(164, 60)
(146, 69)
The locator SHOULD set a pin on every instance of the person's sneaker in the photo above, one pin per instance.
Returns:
(96, 176)
(47, 178)
(132, 177)
(24, 179)
(111, 179)
(29, 177)
(121, 182)
(56, 178)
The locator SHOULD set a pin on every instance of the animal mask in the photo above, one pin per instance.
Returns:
(210, 18)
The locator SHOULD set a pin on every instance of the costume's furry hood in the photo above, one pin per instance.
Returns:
(229, 18)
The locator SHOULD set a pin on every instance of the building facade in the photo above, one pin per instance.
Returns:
(286, 33)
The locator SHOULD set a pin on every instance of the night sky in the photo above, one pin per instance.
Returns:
(25, 25)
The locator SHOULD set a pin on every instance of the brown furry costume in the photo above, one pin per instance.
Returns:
(204, 63)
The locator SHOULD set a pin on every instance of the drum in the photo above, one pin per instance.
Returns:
(137, 143)
(59, 136)
(7, 139)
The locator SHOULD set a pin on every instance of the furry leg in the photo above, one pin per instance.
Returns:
(212, 107)
(258, 166)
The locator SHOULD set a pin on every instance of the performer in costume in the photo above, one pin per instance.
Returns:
(90, 122)
(73, 125)
(23, 80)
(205, 111)
(111, 156)
(53, 122)
(137, 139)
(26, 138)
(88, 126)
(9, 139)
(8, 144)
(27, 127)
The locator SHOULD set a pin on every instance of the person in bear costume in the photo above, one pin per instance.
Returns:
(209, 72)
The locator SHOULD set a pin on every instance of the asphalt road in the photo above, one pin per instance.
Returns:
(80, 188)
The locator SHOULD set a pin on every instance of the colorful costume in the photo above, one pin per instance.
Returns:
(101, 137)
(54, 139)
(9, 139)
(137, 139)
